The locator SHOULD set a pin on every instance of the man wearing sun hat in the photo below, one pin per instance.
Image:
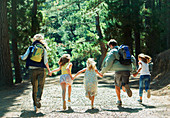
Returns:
(36, 62)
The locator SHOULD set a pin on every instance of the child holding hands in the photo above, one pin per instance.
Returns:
(90, 79)
(66, 77)
(144, 75)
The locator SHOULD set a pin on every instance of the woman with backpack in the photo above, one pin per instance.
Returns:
(36, 62)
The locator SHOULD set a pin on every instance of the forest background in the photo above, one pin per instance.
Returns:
(80, 28)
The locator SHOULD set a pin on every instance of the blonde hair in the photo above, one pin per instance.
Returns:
(145, 58)
(40, 38)
(64, 59)
(91, 64)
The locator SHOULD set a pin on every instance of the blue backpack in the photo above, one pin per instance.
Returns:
(125, 56)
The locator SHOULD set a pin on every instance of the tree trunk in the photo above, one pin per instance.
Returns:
(127, 28)
(34, 18)
(14, 43)
(5, 58)
(168, 23)
(147, 18)
(137, 43)
(102, 45)
(136, 26)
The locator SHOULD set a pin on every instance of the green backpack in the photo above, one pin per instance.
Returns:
(37, 53)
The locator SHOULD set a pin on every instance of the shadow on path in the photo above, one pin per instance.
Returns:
(147, 106)
(92, 111)
(123, 109)
(8, 96)
(27, 114)
(70, 110)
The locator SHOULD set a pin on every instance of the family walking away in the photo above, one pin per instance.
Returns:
(119, 59)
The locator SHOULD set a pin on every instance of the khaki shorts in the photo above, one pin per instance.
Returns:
(122, 78)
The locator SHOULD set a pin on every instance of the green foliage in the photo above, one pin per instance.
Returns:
(70, 26)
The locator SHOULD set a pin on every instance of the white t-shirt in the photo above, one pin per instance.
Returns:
(145, 68)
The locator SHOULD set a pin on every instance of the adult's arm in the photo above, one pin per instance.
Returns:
(108, 61)
(24, 57)
(46, 61)
(134, 67)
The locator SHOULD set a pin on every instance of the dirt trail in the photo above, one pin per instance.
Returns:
(17, 101)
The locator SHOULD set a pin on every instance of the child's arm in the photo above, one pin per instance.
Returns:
(58, 69)
(100, 74)
(81, 71)
(139, 69)
(68, 70)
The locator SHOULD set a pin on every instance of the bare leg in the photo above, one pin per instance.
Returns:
(63, 86)
(89, 96)
(123, 88)
(92, 101)
(69, 93)
(118, 92)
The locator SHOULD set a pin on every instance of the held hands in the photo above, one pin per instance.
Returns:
(20, 56)
(135, 74)
(49, 73)
(72, 78)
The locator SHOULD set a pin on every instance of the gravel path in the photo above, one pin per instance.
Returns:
(17, 101)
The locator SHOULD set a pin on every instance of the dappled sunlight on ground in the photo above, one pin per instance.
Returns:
(17, 102)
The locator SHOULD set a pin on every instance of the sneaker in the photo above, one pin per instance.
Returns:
(92, 107)
(35, 109)
(119, 103)
(69, 100)
(148, 94)
(129, 92)
(140, 101)
(38, 103)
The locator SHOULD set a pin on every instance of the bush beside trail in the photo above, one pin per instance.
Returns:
(161, 73)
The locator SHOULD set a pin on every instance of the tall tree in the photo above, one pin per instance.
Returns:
(136, 25)
(167, 2)
(102, 45)
(127, 29)
(5, 58)
(14, 43)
